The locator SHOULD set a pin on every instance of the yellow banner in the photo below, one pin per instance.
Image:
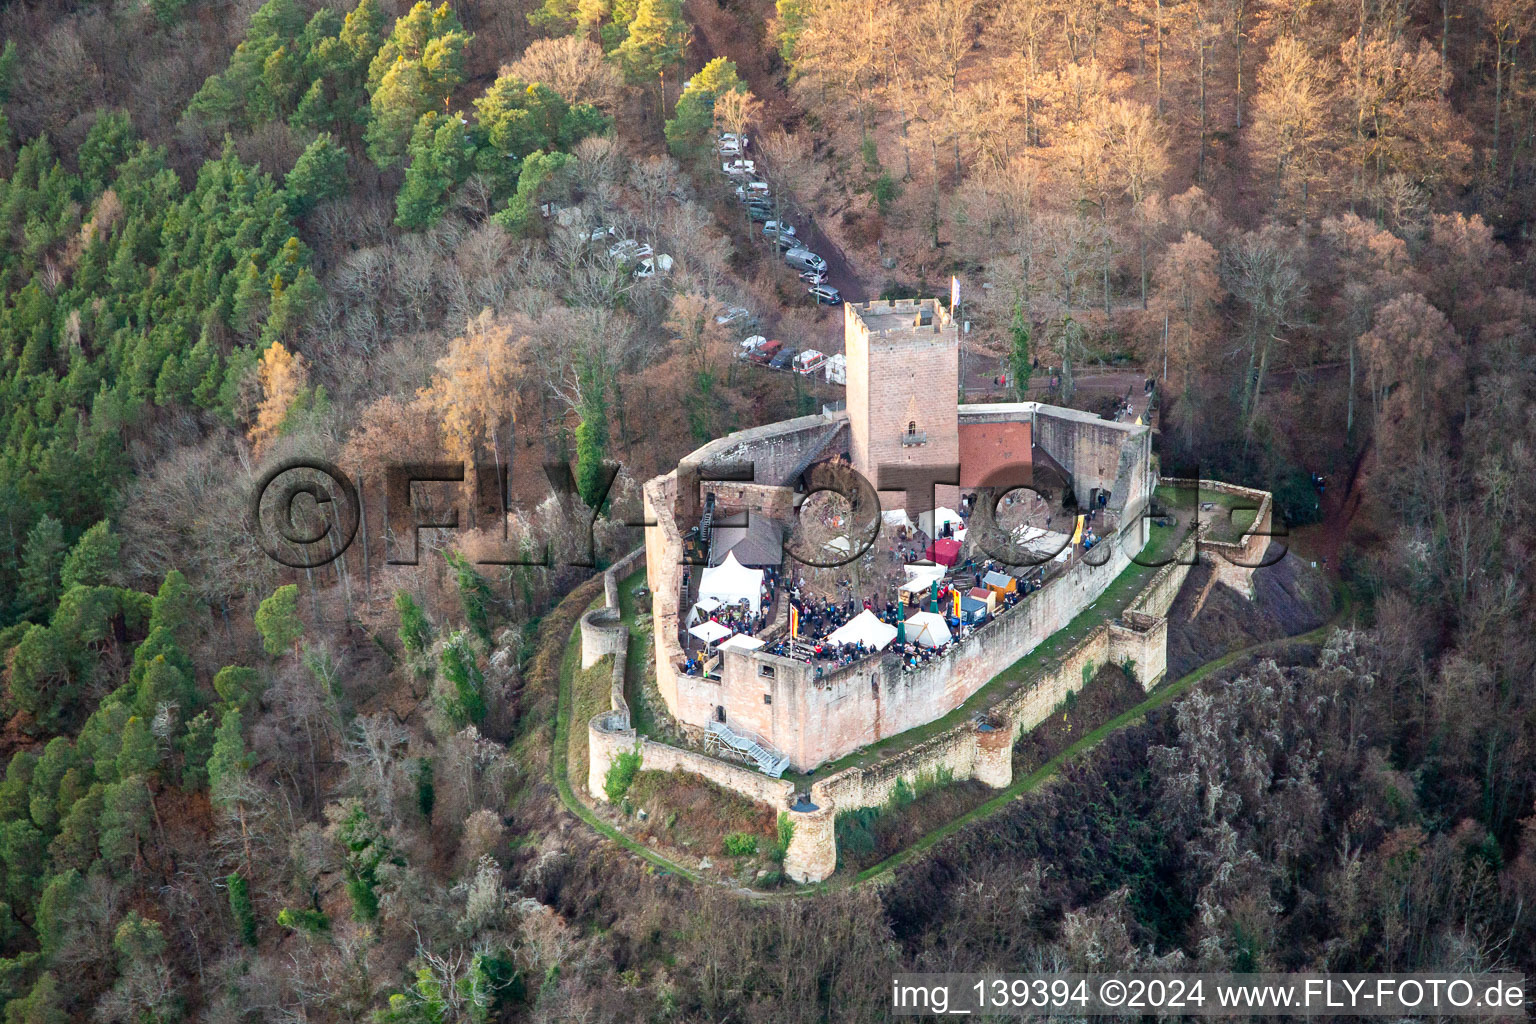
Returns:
(1077, 534)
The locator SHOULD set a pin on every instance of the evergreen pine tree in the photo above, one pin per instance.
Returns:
(318, 174)
(42, 556)
(93, 559)
(278, 620)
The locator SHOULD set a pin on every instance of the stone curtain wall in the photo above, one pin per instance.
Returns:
(813, 721)
(777, 454)
(1234, 562)
(1157, 596)
(611, 733)
(1098, 453)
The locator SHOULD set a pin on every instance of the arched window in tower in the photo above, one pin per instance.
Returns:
(912, 428)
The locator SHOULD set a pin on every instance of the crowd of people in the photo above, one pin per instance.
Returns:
(817, 617)
(738, 618)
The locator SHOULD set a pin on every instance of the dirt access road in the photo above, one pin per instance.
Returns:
(982, 371)
(736, 32)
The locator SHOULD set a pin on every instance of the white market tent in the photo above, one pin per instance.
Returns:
(897, 517)
(710, 631)
(923, 572)
(920, 578)
(741, 642)
(866, 627)
(933, 522)
(703, 610)
(1046, 545)
(730, 582)
(928, 629)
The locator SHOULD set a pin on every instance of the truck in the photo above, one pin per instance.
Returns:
(837, 370)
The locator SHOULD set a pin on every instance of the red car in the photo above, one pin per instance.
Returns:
(765, 352)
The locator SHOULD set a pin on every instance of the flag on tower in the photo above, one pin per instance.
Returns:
(794, 622)
(954, 293)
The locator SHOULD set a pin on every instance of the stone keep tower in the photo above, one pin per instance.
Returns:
(903, 387)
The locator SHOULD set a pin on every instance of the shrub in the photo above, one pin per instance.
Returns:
(310, 921)
(426, 791)
(740, 844)
(365, 901)
(240, 906)
(415, 631)
(462, 700)
(870, 152)
(621, 775)
(855, 832)
(883, 191)
(786, 834)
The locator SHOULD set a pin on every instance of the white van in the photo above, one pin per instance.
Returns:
(804, 259)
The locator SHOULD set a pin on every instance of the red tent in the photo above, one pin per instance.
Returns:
(945, 551)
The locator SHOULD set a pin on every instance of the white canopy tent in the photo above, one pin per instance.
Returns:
(928, 629)
(897, 517)
(710, 631)
(741, 642)
(933, 522)
(1046, 545)
(703, 610)
(730, 582)
(866, 627)
(920, 580)
(923, 573)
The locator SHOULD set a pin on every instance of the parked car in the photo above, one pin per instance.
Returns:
(784, 243)
(747, 346)
(630, 251)
(764, 353)
(813, 276)
(759, 213)
(804, 259)
(739, 168)
(752, 189)
(808, 361)
(650, 266)
(778, 227)
(825, 294)
(783, 359)
(735, 315)
(731, 144)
